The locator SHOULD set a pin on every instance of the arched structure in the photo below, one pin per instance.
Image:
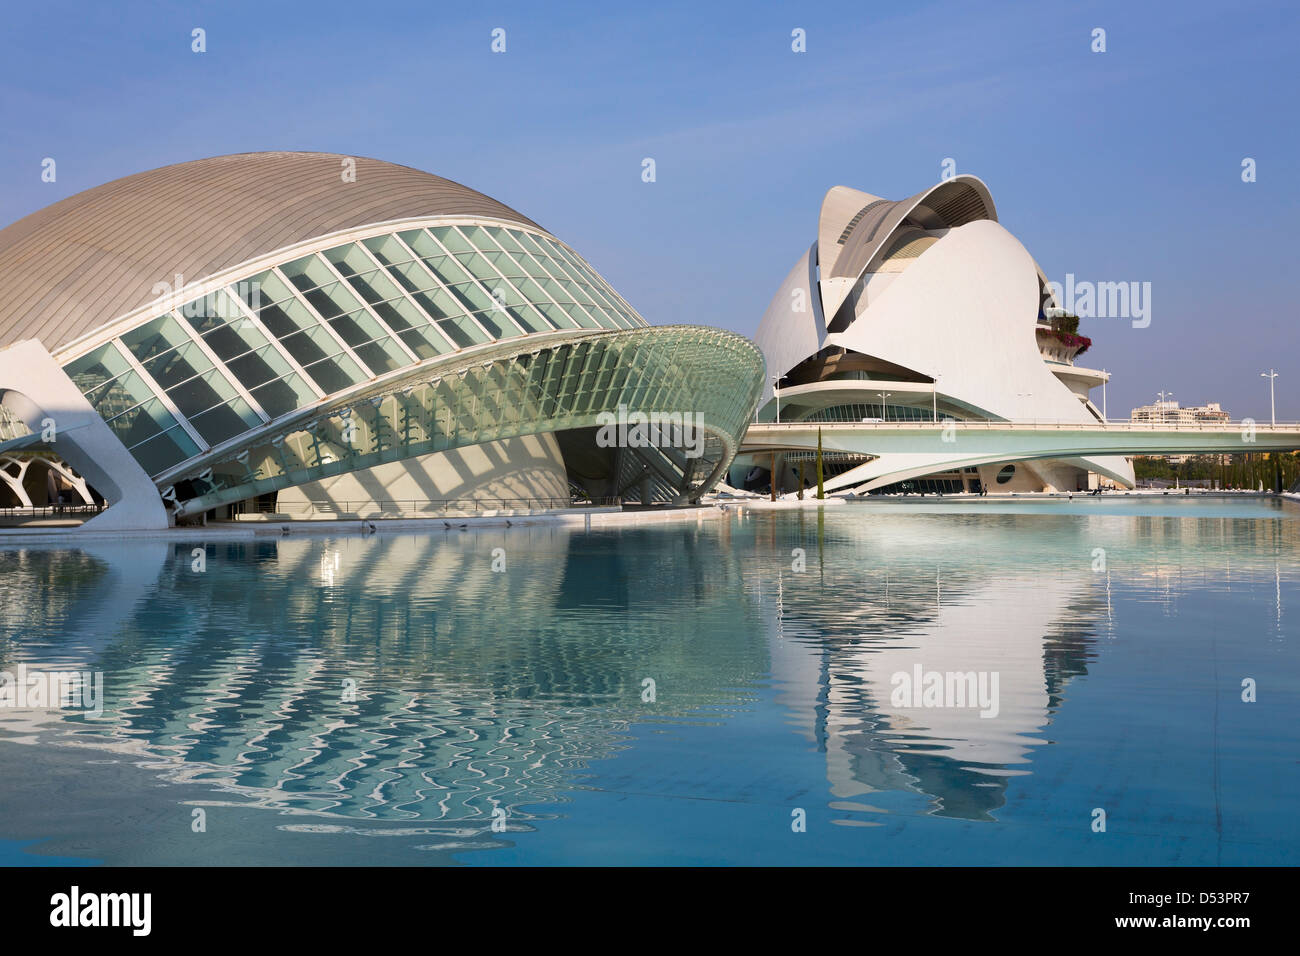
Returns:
(246, 324)
(914, 309)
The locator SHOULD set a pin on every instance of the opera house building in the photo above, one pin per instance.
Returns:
(307, 333)
(918, 310)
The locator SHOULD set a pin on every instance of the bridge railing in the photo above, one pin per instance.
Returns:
(1035, 423)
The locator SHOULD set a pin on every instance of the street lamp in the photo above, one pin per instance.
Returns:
(1164, 396)
(883, 396)
(934, 398)
(776, 390)
(1270, 375)
(1103, 394)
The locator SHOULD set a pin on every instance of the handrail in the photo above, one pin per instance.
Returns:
(1111, 424)
(406, 506)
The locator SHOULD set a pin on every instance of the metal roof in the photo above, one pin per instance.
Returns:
(76, 265)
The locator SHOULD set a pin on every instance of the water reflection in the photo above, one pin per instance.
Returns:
(400, 680)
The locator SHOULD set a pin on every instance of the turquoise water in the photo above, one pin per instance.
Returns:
(394, 699)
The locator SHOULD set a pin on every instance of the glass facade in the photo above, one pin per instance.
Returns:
(277, 341)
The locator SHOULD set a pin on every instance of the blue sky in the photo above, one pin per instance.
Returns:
(1115, 166)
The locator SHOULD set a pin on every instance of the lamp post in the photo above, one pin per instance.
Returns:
(776, 390)
(1105, 379)
(883, 396)
(934, 398)
(1270, 375)
(1164, 396)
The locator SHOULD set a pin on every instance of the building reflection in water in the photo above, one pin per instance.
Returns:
(399, 678)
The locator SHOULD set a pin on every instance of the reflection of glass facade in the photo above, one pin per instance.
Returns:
(271, 343)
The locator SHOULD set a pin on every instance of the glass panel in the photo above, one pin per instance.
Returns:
(234, 339)
(496, 323)
(424, 246)
(97, 367)
(162, 451)
(124, 392)
(462, 331)
(479, 267)
(154, 337)
(336, 374)
(287, 318)
(225, 421)
(425, 342)
(259, 367)
(382, 355)
(357, 328)
(374, 286)
(437, 304)
(311, 346)
(332, 300)
(387, 249)
(413, 277)
(212, 310)
(142, 422)
(504, 264)
(572, 313)
(448, 270)
(283, 395)
(450, 237)
(471, 296)
(307, 272)
(177, 365)
(263, 290)
(504, 239)
(349, 259)
(201, 393)
(528, 242)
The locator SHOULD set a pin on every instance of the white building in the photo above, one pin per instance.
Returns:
(921, 308)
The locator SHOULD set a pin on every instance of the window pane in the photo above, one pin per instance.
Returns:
(124, 392)
(143, 422)
(263, 290)
(201, 393)
(287, 317)
(349, 259)
(332, 300)
(225, 421)
(212, 310)
(374, 286)
(307, 272)
(336, 374)
(162, 451)
(259, 367)
(154, 337)
(423, 245)
(413, 277)
(177, 365)
(283, 395)
(311, 346)
(382, 355)
(504, 239)
(450, 237)
(97, 367)
(234, 339)
(387, 249)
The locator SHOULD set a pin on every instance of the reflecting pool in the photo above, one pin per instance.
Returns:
(867, 683)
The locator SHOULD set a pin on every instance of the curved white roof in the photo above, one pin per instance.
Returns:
(76, 265)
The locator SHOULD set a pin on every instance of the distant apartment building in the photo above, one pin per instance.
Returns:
(1171, 413)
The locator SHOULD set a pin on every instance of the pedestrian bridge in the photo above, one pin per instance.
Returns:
(905, 450)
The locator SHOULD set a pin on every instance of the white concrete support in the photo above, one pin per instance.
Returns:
(36, 389)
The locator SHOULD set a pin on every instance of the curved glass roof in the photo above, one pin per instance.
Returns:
(264, 346)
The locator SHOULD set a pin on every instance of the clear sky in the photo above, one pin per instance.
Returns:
(1115, 166)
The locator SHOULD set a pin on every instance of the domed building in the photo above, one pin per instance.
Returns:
(310, 334)
(917, 310)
